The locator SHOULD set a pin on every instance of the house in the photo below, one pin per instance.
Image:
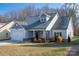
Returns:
(43, 26)
(5, 30)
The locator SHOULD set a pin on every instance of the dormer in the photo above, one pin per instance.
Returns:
(44, 17)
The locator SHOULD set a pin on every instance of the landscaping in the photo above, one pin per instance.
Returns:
(32, 51)
(38, 49)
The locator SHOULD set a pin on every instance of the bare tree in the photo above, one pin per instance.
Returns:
(69, 9)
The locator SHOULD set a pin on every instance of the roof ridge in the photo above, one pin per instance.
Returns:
(4, 25)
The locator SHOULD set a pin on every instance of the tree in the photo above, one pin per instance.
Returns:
(69, 9)
(20, 14)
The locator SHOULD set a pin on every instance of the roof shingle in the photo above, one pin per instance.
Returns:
(62, 23)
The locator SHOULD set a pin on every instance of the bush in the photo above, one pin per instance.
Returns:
(43, 40)
(59, 40)
(34, 40)
(51, 39)
(39, 40)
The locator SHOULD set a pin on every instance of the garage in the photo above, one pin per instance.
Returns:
(17, 33)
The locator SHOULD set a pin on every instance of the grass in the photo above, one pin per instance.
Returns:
(49, 49)
(75, 41)
(19, 50)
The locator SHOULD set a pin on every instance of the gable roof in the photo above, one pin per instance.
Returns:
(38, 24)
(62, 23)
(16, 26)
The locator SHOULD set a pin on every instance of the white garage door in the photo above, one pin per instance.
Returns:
(18, 35)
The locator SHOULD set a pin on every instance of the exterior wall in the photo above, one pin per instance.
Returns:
(4, 35)
(27, 34)
(49, 27)
(30, 34)
(47, 18)
(4, 30)
(70, 29)
(18, 34)
(64, 33)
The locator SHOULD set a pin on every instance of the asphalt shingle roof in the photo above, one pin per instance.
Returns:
(62, 23)
(38, 25)
(16, 26)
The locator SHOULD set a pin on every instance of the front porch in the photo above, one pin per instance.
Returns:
(40, 35)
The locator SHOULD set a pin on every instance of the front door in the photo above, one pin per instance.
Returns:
(39, 34)
(36, 34)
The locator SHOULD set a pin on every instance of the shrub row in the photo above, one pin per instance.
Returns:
(52, 39)
(40, 40)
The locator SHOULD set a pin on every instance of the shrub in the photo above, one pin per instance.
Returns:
(51, 39)
(59, 40)
(34, 40)
(43, 40)
(39, 40)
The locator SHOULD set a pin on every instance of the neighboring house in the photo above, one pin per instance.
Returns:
(43, 26)
(5, 30)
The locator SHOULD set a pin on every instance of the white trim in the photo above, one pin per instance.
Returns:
(36, 30)
(49, 27)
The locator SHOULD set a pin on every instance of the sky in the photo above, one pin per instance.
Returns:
(5, 7)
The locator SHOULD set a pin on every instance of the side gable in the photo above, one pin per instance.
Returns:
(70, 25)
(49, 27)
(17, 26)
(62, 23)
(70, 30)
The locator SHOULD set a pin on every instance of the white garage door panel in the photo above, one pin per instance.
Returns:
(18, 35)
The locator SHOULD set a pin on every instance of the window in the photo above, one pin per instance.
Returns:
(60, 33)
(43, 19)
(6, 34)
(57, 33)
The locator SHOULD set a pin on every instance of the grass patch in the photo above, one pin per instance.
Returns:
(75, 42)
(32, 51)
(75, 37)
(49, 49)
(58, 52)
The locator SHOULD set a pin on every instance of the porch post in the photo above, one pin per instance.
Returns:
(33, 33)
(44, 34)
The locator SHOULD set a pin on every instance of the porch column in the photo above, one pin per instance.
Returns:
(33, 33)
(44, 34)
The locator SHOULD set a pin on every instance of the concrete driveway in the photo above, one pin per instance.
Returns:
(7, 42)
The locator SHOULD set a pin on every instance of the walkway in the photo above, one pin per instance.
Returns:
(7, 42)
(74, 51)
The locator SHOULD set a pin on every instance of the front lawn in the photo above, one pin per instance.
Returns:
(75, 40)
(47, 49)
(19, 50)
